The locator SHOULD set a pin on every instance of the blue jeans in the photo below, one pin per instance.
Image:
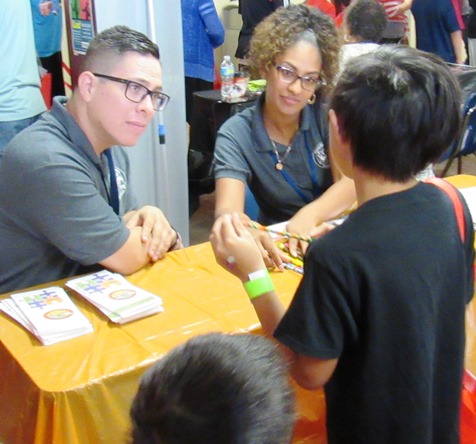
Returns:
(9, 129)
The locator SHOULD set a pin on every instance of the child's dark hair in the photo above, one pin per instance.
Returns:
(399, 108)
(366, 20)
(216, 388)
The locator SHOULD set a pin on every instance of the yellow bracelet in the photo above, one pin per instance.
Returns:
(259, 286)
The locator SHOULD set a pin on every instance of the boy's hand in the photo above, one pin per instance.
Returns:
(234, 247)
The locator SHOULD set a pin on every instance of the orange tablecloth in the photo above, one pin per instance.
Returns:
(79, 391)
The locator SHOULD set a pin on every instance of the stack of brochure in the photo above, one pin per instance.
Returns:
(117, 298)
(48, 313)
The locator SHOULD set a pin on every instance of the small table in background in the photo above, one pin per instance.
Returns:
(209, 112)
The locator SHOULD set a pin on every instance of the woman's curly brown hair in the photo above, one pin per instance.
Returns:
(285, 27)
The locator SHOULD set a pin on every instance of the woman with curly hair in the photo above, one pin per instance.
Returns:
(279, 147)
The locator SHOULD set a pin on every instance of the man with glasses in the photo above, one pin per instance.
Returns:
(65, 202)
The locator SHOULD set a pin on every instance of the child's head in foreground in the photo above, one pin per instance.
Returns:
(216, 388)
(399, 108)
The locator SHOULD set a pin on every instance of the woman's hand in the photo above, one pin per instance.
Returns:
(270, 253)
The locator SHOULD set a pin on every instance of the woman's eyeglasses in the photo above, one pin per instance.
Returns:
(135, 92)
(309, 83)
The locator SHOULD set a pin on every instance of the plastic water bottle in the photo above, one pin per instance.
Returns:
(227, 72)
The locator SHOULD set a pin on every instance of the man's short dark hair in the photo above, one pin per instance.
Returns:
(399, 108)
(216, 388)
(366, 20)
(116, 41)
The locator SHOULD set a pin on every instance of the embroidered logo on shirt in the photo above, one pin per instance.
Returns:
(121, 180)
(319, 156)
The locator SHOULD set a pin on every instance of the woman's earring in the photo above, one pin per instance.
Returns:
(312, 100)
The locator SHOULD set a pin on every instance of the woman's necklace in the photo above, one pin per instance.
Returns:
(280, 133)
(279, 164)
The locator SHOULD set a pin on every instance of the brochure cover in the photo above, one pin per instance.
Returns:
(116, 297)
(48, 313)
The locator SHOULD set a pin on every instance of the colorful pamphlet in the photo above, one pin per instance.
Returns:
(48, 313)
(116, 297)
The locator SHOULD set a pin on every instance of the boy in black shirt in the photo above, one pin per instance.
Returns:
(379, 315)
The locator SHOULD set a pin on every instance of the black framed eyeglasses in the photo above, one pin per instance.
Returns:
(135, 92)
(309, 83)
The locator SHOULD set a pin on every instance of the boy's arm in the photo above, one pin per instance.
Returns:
(310, 373)
(230, 198)
(236, 251)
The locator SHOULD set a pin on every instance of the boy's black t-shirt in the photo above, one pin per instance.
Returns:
(385, 293)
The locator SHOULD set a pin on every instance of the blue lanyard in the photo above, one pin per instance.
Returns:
(292, 183)
(114, 198)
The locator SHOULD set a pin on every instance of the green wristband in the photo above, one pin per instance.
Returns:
(257, 287)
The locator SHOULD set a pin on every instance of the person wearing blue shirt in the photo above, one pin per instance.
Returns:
(202, 32)
(438, 31)
(47, 26)
(21, 100)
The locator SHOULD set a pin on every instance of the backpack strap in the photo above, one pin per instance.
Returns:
(450, 190)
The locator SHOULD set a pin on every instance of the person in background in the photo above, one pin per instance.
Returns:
(397, 24)
(438, 30)
(333, 8)
(66, 206)
(466, 11)
(253, 12)
(215, 388)
(278, 148)
(326, 6)
(47, 25)
(21, 100)
(202, 32)
(341, 6)
(457, 5)
(375, 320)
(363, 27)
(472, 33)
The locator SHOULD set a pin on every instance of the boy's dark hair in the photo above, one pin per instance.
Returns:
(216, 388)
(366, 20)
(116, 41)
(399, 108)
